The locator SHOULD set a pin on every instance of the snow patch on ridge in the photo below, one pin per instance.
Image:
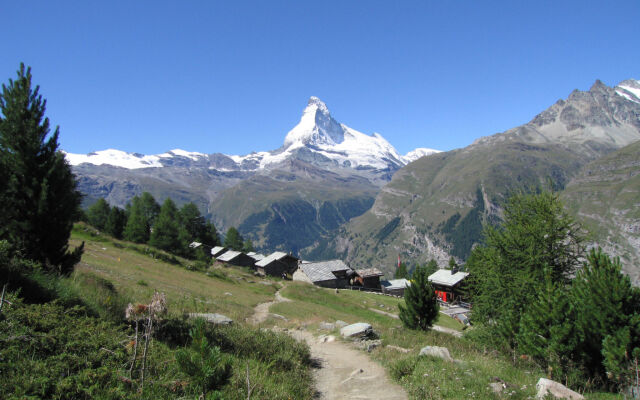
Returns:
(418, 153)
(629, 89)
(114, 157)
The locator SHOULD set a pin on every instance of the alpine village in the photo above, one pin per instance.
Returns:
(333, 267)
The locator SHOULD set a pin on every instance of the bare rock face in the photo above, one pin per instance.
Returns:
(436, 351)
(558, 390)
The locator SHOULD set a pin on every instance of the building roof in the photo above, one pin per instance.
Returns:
(256, 256)
(323, 270)
(195, 245)
(217, 250)
(369, 272)
(396, 283)
(278, 255)
(228, 256)
(446, 278)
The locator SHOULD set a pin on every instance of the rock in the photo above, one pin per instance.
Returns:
(278, 316)
(228, 294)
(547, 386)
(341, 324)
(213, 318)
(327, 326)
(496, 387)
(369, 345)
(436, 351)
(326, 338)
(360, 329)
(398, 348)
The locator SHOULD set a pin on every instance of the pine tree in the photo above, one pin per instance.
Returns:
(431, 267)
(421, 305)
(166, 229)
(247, 246)
(150, 208)
(233, 240)
(211, 238)
(116, 222)
(606, 305)
(98, 214)
(452, 263)
(38, 190)
(137, 228)
(401, 272)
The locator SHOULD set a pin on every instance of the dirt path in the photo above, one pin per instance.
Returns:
(344, 372)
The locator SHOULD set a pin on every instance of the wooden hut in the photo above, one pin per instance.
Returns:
(395, 287)
(368, 278)
(277, 263)
(446, 284)
(236, 258)
(329, 274)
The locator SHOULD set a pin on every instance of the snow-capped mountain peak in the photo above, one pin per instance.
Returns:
(316, 127)
(629, 89)
(418, 153)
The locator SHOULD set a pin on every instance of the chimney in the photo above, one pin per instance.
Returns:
(454, 270)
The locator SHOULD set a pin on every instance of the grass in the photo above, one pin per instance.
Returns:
(136, 274)
(422, 377)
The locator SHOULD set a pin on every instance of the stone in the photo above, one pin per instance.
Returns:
(369, 345)
(436, 351)
(213, 318)
(357, 330)
(496, 387)
(398, 348)
(560, 391)
(228, 294)
(341, 324)
(278, 316)
(327, 326)
(326, 338)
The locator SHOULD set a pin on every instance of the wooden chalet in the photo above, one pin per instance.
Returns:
(446, 284)
(329, 274)
(236, 258)
(217, 251)
(368, 278)
(395, 287)
(277, 263)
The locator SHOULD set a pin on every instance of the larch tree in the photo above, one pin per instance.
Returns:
(421, 303)
(166, 230)
(38, 194)
(98, 213)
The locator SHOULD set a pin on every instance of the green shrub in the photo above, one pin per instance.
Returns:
(403, 367)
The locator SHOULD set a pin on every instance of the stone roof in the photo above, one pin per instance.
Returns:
(446, 278)
(278, 255)
(256, 256)
(217, 250)
(228, 256)
(369, 272)
(323, 270)
(396, 283)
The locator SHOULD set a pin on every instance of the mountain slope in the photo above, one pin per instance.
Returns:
(605, 197)
(435, 206)
(287, 199)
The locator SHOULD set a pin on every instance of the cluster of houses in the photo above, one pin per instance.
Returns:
(336, 274)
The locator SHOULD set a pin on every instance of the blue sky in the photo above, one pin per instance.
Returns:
(234, 76)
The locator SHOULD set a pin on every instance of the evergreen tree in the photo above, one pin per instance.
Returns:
(116, 222)
(431, 267)
(247, 246)
(193, 222)
(233, 240)
(38, 191)
(607, 306)
(537, 239)
(150, 208)
(211, 238)
(401, 272)
(98, 214)
(166, 229)
(137, 228)
(421, 305)
(452, 263)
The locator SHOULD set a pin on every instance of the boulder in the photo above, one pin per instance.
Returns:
(213, 318)
(436, 351)
(496, 387)
(357, 330)
(327, 326)
(558, 390)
